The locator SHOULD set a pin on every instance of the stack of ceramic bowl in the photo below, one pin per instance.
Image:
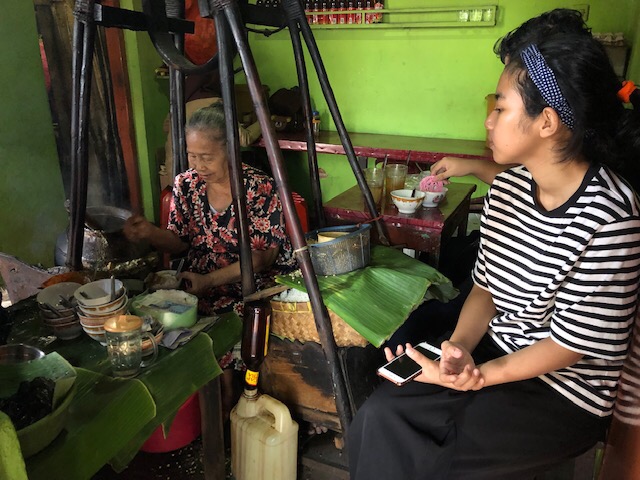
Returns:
(57, 310)
(98, 301)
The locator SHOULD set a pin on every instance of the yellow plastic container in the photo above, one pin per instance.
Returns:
(264, 440)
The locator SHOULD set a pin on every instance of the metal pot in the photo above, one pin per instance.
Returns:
(104, 242)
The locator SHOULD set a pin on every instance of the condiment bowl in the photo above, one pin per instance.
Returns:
(14, 353)
(407, 201)
(67, 331)
(432, 199)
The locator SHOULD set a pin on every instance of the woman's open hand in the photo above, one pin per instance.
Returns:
(137, 228)
(458, 369)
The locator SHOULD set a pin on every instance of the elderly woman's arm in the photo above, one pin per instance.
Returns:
(137, 229)
(261, 260)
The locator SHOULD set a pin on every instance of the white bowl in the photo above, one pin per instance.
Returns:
(432, 199)
(106, 308)
(97, 293)
(67, 331)
(51, 295)
(100, 319)
(405, 202)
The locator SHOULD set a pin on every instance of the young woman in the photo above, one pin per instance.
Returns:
(529, 376)
(557, 21)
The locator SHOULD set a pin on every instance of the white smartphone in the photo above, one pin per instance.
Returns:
(402, 369)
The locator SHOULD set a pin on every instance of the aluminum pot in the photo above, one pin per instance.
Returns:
(104, 242)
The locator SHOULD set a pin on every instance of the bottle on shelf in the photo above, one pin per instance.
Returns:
(359, 6)
(333, 7)
(324, 7)
(351, 17)
(307, 11)
(368, 17)
(342, 17)
(315, 124)
(315, 8)
(378, 5)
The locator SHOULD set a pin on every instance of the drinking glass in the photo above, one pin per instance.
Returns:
(375, 180)
(394, 177)
(124, 345)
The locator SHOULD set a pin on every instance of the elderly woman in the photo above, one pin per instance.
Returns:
(202, 221)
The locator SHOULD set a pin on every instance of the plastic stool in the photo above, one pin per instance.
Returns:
(185, 428)
(165, 205)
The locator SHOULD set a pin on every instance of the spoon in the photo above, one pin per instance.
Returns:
(180, 265)
(113, 288)
(53, 309)
(65, 302)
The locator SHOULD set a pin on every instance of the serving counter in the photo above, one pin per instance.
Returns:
(96, 414)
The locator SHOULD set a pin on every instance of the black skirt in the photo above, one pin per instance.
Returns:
(509, 431)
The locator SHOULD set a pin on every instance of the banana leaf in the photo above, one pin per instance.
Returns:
(104, 411)
(111, 418)
(198, 360)
(11, 462)
(52, 366)
(189, 370)
(377, 299)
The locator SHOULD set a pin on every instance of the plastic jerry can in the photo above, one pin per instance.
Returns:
(264, 440)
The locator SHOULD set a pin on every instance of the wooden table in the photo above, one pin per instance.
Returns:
(425, 230)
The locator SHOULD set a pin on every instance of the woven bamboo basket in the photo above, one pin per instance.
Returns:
(294, 320)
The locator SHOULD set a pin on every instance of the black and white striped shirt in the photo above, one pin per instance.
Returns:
(570, 273)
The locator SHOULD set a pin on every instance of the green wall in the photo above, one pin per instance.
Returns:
(32, 210)
(428, 82)
(150, 104)
(424, 81)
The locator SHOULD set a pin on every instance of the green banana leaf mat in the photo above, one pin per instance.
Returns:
(377, 299)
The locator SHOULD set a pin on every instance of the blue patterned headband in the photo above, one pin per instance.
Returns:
(545, 80)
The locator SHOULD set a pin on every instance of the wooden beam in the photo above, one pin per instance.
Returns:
(124, 113)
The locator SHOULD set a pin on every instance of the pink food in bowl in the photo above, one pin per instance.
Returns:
(430, 184)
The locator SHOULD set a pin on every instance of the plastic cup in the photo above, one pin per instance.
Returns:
(375, 180)
(394, 177)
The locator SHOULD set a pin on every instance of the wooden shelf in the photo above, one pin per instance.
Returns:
(394, 147)
(428, 17)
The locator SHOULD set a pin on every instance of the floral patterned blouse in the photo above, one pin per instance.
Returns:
(213, 237)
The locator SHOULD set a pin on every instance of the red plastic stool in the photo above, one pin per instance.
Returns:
(301, 209)
(185, 428)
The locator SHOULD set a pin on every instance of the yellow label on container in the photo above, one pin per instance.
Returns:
(251, 378)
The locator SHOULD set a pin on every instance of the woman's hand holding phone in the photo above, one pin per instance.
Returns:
(417, 366)
(452, 368)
